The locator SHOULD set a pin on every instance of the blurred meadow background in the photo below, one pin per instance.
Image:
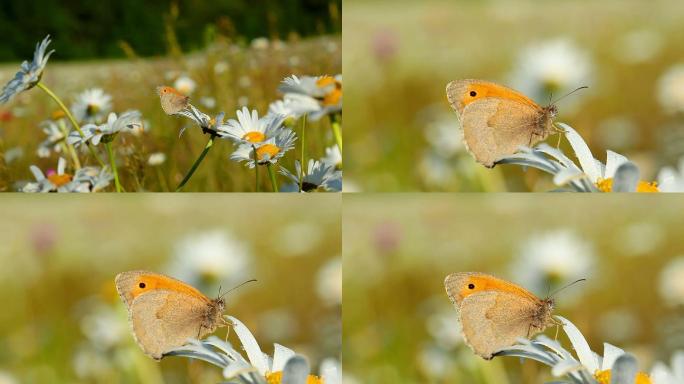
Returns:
(63, 321)
(399, 325)
(398, 60)
(224, 55)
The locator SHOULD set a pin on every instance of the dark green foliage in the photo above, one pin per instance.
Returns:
(89, 29)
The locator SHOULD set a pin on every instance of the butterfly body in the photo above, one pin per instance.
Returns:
(496, 120)
(172, 101)
(164, 312)
(494, 313)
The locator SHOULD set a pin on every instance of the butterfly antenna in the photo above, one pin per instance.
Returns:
(569, 93)
(237, 286)
(566, 286)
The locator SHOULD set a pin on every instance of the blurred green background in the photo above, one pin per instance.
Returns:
(399, 325)
(244, 52)
(90, 29)
(63, 322)
(399, 56)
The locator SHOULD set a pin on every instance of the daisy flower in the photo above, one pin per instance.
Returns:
(106, 132)
(662, 374)
(280, 107)
(30, 73)
(671, 282)
(333, 157)
(250, 129)
(591, 175)
(671, 89)
(285, 366)
(317, 176)
(91, 105)
(157, 158)
(185, 85)
(671, 179)
(315, 96)
(87, 179)
(588, 367)
(211, 256)
(268, 152)
(204, 121)
(553, 258)
(54, 140)
(551, 67)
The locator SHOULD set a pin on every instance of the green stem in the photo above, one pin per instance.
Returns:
(68, 148)
(108, 146)
(273, 179)
(256, 170)
(197, 163)
(302, 144)
(337, 131)
(71, 118)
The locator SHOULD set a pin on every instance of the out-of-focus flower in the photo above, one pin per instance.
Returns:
(221, 67)
(208, 102)
(662, 374)
(618, 325)
(617, 175)
(553, 258)
(55, 138)
(185, 85)
(13, 154)
(671, 179)
(551, 67)
(103, 327)
(157, 158)
(385, 45)
(315, 96)
(671, 282)
(588, 368)
(333, 157)
(260, 43)
(268, 152)
(671, 89)
(441, 135)
(435, 170)
(250, 129)
(106, 132)
(92, 105)
(435, 361)
(329, 282)
(7, 378)
(445, 328)
(30, 73)
(280, 107)
(87, 179)
(210, 257)
(318, 176)
(244, 81)
(638, 46)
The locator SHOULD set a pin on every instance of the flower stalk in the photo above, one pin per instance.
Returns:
(201, 157)
(71, 119)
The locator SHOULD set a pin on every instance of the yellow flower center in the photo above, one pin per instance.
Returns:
(58, 114)
(277, 377)
(325, 81)
(333, 97)
(603, 377)
(606, 185)
(267, 149)
(254, 137)
(92, 109)
(59, 180)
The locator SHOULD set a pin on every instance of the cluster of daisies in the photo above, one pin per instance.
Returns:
(265, 140)
(84, 133)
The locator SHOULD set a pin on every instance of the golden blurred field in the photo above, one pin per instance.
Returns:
(63, 322)
(229, 74)
(398, 57)
(399, 325)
